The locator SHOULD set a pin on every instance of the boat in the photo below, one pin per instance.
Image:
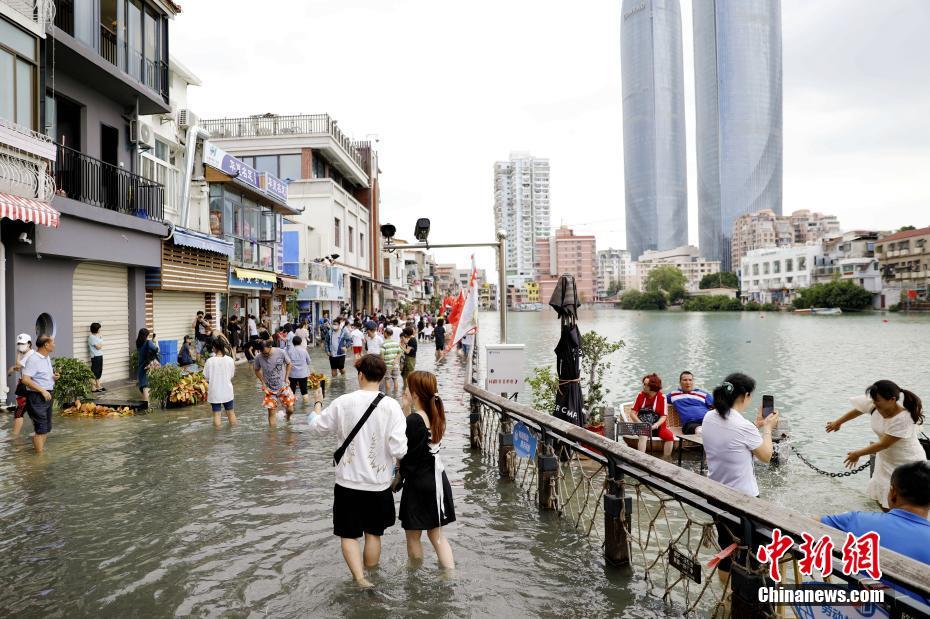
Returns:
(804, 311)
(826, 311)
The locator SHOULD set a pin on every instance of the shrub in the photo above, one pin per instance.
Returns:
(74, 380)
(713, 303)
(544, 383)
(595, 349)
(636, 300)
(162, 381)
(770, 307)
(842, 294)
(894, 307)
(724, 279)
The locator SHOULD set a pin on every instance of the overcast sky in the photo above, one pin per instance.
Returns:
(450, 88)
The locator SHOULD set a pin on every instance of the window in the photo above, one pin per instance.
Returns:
(755, 269)
(319, 167)
(765, 268)
(18, 86)
(361, 244)
(337, 230)
(289, 167)
(776, 266)
(267, 163)
(351, 237)
(45, 325)
(802, 263)
(789, 265)
(250, 226)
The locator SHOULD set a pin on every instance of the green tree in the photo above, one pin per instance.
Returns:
(614, 287)
(842, 294)
(636, 300)
(725, 279)
(906, 228)
(595, 349)
(669, 281)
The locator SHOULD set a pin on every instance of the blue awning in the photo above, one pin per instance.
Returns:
(199, 240)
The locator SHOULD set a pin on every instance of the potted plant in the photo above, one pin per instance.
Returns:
(595, 349)
(190, 389)
(74, 381)
(162, 380)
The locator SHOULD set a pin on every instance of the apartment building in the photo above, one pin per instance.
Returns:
(521, 208)
(904, 260)
(616, 272)
(566, 252)
(775, 275)
(763, 229)
(686, 259)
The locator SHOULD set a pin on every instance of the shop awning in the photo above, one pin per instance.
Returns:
(293, 284)
(262, 276)
(28, 210)
(199, 240)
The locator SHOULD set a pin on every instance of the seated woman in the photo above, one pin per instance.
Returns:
(649, 407)
(186, 356)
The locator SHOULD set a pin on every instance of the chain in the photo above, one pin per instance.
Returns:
(858, 469)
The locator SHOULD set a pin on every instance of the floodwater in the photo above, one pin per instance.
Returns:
(162, 515)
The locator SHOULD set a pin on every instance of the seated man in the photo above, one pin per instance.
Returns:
(905, 529)
(691, 403)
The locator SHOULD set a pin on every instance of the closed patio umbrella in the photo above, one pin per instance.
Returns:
(568, 397)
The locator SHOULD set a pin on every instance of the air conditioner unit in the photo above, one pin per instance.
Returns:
(186, 119)
(141, 135)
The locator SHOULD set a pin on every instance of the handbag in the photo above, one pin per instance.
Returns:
(337, 455)
(647, 415)
(21, 389)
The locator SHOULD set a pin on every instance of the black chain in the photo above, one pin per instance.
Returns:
(858, 469)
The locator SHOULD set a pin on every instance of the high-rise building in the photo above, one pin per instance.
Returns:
(521, 208)
(738, 96)
(653, 126)
(764, 229)
(566, 252)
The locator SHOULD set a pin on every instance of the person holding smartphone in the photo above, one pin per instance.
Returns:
(731, 442)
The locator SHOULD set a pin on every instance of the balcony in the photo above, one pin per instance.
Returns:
(100, 184)
(38, 14)
(25, 162)
(319, 131)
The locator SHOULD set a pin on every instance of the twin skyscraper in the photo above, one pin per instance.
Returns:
(738, 98)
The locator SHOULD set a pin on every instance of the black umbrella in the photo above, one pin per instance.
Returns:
(568, 397)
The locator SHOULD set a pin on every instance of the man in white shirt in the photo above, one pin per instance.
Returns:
(363, 502)
(373, 342)
(39, 378)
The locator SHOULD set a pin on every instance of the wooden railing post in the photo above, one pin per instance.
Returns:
(618, 519)
(504, 449)
(548, 474)
(474, 424)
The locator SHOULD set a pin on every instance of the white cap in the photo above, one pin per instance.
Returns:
(23, 338)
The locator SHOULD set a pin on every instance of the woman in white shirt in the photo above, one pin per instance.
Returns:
(731, 441)
(896, 426)
(219, 371)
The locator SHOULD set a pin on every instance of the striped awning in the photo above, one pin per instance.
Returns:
(28, 210)
(262, 276)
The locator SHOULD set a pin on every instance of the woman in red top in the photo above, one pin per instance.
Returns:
(649, 407)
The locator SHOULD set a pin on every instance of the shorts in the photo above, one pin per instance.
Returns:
(664, 433)
(217, 406)
(20, 407)
(96, 366)
(299, 384)
(691, 427)
(40, 411)
(337, 363)
(440, 345)
(357, 350)
(283, 397)
(393, 372)
(410, 364)
(361, 511)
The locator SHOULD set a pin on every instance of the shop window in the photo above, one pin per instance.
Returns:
(45, 325)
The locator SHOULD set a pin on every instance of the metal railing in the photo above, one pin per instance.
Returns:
(101, 184)
(292, 125)
(42, 12)
(657, 518)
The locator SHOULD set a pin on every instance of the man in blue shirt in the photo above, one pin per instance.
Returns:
(905, 528)
(690, 403)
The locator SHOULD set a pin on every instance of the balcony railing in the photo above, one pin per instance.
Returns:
(272, 124)
(25, 162)
(104, 185)
(42, 12)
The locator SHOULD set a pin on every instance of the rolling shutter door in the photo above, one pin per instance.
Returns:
(100, 293)
(173, 313)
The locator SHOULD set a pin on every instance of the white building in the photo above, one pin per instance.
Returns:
(521, 208)
(614, 266)
(775, 275)
(686, 259)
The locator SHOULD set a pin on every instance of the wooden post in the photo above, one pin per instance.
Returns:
(610, 423)
(474, 424)
(618, 516)
(548, 475)
(504, 448)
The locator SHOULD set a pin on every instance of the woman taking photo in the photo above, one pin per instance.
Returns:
(895, 424)
(731, 441)
(426, 504)
(148, 353)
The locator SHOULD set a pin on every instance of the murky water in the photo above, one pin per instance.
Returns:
(163, 515)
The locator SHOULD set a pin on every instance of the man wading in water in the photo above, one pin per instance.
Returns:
(363, 502)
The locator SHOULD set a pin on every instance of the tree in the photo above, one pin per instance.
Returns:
(906, 228)
(725, 279)
(842, 294)
(614, 287)
(595, 349)
(636, 300)
(667, 280)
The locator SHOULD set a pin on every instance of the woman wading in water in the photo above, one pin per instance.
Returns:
(426, 504)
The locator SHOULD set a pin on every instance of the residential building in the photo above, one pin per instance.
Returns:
(27, 157)
(615, 272)
(92, 87)
(418, 283)
(686, 259)
(566, 252)
(738, 101)
(904, 259)
(764, 228)
(775, 275)
(521, 208)
(331, 181)
(445, 279)
(653, 125)
(487, 296)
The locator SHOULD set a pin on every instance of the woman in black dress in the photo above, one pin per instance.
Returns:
(426, 504)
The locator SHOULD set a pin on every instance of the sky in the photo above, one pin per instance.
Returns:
(446, 92)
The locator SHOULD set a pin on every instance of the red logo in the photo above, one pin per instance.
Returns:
(861, 555)
(771, 553)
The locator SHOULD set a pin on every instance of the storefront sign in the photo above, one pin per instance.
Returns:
(274, 186)
(216, 157)
(524, 443)
(505, 368)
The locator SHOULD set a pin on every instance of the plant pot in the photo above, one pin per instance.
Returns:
(598, 429)
(170, 404)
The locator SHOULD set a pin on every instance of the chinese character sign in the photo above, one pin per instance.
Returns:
(860, 554)
(505, 363)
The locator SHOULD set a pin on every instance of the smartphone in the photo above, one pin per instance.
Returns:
(768, 405)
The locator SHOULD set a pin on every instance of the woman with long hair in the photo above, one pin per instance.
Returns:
(426, 503)
(730, 443)
(899, 413)
(148, 352)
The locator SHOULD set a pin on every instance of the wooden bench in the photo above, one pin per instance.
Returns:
(673, 423)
